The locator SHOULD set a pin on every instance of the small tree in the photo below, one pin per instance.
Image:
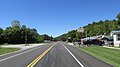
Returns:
(118, 17)
(1, 31)
(16, 23)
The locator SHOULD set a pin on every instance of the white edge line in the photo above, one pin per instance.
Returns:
(74, 57)
(17, 54)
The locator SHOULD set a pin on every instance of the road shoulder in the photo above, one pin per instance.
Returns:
(86, 59)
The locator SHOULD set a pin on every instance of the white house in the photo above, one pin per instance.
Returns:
(116, 38)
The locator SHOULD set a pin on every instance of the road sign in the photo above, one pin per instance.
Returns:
(80, 30)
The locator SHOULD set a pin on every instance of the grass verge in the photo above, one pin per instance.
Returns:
(7, 50)
(111, 56)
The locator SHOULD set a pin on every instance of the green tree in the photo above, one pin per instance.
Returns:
(118, 17)
(8, 35)
(20, 35)
(16, 23)
(40, 39)
(23, 33)
(1, 39)
(17, 37)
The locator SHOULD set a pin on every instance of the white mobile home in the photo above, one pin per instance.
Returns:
(116, 38)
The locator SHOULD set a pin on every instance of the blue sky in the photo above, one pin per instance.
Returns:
(55, 17)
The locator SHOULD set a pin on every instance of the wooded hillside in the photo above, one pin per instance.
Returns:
(93, 29)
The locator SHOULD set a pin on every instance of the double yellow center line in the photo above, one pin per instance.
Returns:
(40, 57)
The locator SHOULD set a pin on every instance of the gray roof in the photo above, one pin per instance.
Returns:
(93, 37)
(98, 37)
(115, 32)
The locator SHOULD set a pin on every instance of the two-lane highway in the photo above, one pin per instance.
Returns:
(57, 54)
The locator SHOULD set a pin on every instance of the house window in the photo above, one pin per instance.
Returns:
(118, 37)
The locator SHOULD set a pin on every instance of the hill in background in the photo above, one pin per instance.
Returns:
(93, 29)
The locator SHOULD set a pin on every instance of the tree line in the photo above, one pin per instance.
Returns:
(93, 29)
(17, 34)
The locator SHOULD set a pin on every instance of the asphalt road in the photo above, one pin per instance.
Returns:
(60, 55)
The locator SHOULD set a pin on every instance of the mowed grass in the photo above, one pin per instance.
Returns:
(7, 50)
(111, 56)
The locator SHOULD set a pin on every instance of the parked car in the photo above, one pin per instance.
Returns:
(76, 43)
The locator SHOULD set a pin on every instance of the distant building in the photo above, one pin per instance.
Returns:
(116, 38)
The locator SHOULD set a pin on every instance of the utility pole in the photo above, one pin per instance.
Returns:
(81, 30)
